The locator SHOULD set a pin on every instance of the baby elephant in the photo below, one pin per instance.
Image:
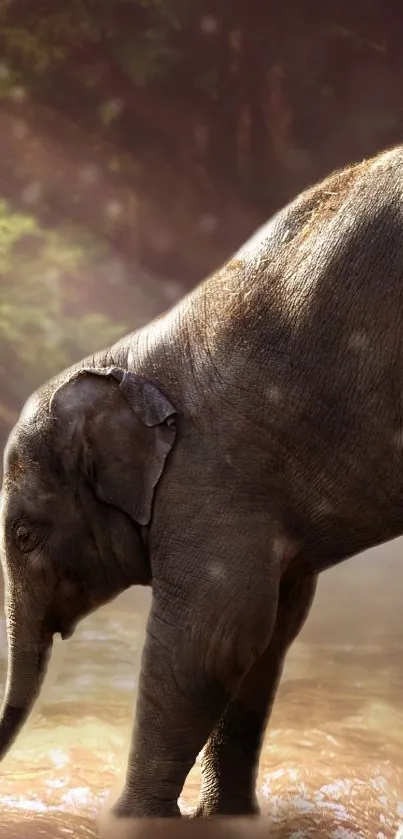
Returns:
(223, 455)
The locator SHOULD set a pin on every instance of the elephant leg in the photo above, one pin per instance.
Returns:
(230, 759)
(194, 658)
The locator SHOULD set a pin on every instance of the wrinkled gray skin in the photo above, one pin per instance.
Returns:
(225, 454)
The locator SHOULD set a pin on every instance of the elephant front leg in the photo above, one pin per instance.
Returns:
(192, 664)
(230, 759)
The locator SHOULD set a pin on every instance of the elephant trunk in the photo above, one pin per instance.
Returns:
(28, 656)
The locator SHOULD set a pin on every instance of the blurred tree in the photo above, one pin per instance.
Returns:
(42, 326)
(231, 85)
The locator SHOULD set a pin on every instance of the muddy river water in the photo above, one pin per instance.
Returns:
(332, 764)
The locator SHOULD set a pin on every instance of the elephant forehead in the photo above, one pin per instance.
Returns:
(24, 484)
(19, 464)
(27, 495)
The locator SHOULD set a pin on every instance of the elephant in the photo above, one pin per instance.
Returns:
(224, 455)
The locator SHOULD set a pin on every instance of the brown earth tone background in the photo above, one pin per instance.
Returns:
(141, 142)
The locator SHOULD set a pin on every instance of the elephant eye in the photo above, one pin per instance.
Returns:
(25, 538)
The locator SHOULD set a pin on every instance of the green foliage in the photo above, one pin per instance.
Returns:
(35, 50)
(9, 80)
(39, 44)
(42, 327)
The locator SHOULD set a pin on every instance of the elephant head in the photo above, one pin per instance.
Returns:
(80, 471)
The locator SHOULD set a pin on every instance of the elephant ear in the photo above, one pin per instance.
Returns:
(118, 428)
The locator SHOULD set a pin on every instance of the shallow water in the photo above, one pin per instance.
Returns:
(332, 763)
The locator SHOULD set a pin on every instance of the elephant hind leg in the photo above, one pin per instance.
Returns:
(231, 756)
